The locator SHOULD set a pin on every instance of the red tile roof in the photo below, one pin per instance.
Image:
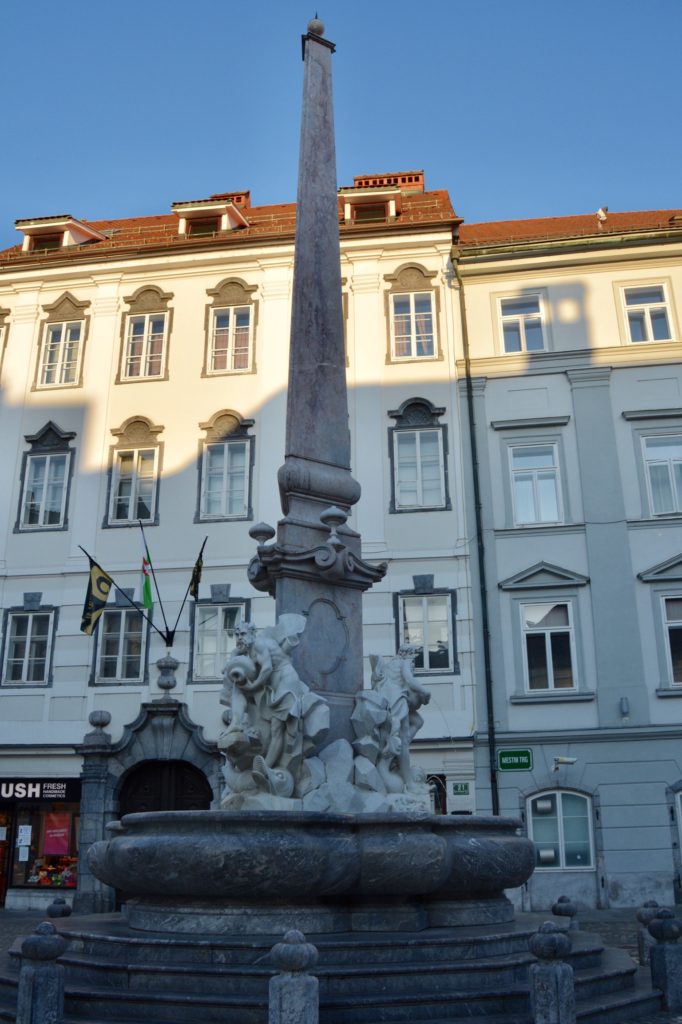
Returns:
(501, 232)
(266, 223)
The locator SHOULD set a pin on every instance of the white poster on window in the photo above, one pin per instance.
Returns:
(24, 835)
(3, 833)
(23, 853)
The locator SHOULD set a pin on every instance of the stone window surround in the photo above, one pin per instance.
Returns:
(220, 596)
(231, 291)
(660, 280)
(147, 299)
(4, 333)
(519, 433)
(28, 608)
(664, 580)
(120, 604)
(651, 423)
(226, 425)
(564, 590)
(428, 590)
(66, 309)
(411, 277)
(49, 440)
(135, 433)
(540, 292)
(415, 414)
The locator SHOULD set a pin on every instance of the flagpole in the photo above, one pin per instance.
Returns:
(123, 594)
(184, 600)
(156, 587)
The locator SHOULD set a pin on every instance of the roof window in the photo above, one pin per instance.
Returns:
(47, 234)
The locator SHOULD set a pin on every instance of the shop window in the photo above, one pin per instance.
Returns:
(560, 825)
(45, 854)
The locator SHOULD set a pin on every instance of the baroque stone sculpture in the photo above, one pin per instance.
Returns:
(274, 751)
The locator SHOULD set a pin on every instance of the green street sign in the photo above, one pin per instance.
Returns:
(460, 789)
(515, 760)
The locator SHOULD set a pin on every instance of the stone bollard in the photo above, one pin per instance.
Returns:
(293, 995)
(40, 998)
(552, 989)
(666, 958)
(645, 915)
(565, 907)
(59, 908)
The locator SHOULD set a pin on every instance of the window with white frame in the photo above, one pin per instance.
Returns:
(426, 620)
(144, 354)
(43, 504)
(133, 487)
(535, 484)
(548, 645)
(672, 612)
(28, 640)
(412, 325)
(230, 349)
(521, 320)
(225, 480)
(647, 313)
(120, 646)
(419, 469)
(560, 825)
(61, 356)
(663, 458)
(214, 626)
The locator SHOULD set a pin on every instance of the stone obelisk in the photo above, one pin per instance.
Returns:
(315, 567)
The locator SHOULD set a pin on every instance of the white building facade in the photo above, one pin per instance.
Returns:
(144, 374)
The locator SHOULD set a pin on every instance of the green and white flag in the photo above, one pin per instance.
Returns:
(147, 599)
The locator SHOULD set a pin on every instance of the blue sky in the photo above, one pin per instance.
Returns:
(519, 109)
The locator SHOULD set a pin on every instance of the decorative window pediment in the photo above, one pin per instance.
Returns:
(543, 575)
(417, 412)
(136, 431)
(668, 571)
(50, 438)
(148, 299)
(231, 292)
(410, 278)
(226, 425)
(67, 307)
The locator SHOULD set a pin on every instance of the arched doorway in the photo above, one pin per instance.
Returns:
(164, 786)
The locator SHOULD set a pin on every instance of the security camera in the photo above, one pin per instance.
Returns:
(558, 761)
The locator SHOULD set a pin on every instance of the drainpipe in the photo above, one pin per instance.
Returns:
(480, 544)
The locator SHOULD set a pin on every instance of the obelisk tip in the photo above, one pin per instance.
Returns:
(316, 27)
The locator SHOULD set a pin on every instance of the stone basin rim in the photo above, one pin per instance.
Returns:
(314, 820)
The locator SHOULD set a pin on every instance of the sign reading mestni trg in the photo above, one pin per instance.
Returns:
(515, 760)
(68, 790)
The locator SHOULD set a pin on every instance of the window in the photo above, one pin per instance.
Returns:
(419, 469)
(202, 227)
(672, 608)
(214, 637)
(61, 354)
(535, 484)
(548, 657)
(44, 499)
(134, 485)
(230, 328)
(28, 639)
(427, 621)
(225, 476)
(412, 326)
(225, 468)
(663, 458)
(120, 646)
(231, 340)
(418, 450)
(145, 345)
(522, 324)
(560, 826)
(144, 335)
(647, 313)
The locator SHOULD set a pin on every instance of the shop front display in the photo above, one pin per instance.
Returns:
(40, 820)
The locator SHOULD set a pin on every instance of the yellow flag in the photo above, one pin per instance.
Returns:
(96, 596)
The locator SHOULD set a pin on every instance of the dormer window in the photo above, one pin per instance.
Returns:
(370, 205)
(48, 234)
(203, 227)
(369, 213)
(203, 218)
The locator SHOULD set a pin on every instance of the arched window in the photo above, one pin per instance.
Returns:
(560, 825)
